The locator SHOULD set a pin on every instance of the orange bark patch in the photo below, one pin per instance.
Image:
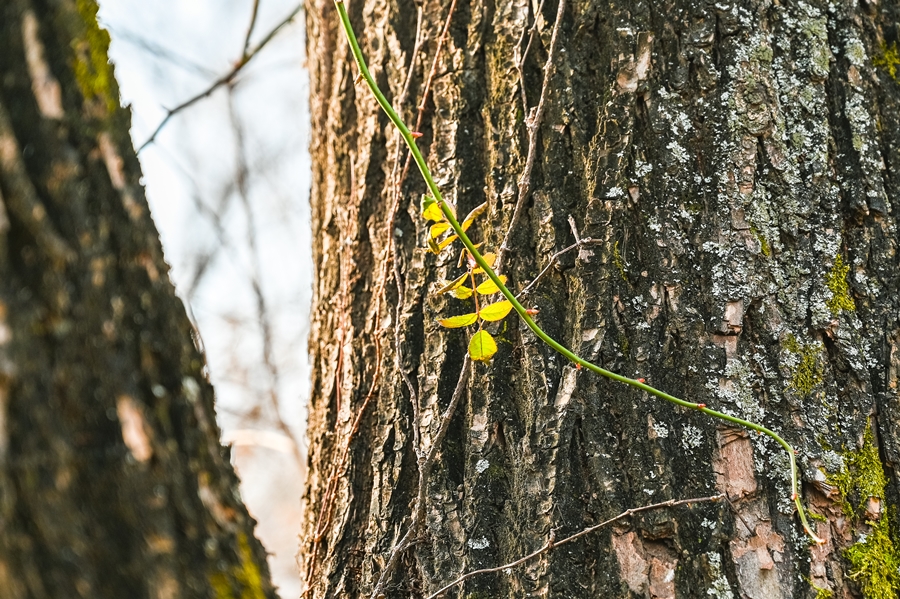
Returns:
(648, 568)
(733, 465)
(133, 432)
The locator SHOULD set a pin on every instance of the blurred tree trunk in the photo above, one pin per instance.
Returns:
(112, 480)
(740, 164)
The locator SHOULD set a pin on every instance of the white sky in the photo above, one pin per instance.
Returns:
(165, 52)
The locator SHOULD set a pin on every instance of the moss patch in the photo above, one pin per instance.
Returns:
(875, 559)
(820, 592)
(246, 576)
(861, 476)
(836, 281)
(617, 260)
(809, 372)
(875, 563)
(889, 60)
(93, 70)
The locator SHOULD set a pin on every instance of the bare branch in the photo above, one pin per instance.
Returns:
(263, 316)
(227, 78)
(553, 259)
(551, 544)
(520, 63)
(250, 28)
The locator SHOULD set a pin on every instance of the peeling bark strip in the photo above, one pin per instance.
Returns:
(738, 167)
(112, 480)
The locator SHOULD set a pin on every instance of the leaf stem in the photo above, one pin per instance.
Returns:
(520, 309)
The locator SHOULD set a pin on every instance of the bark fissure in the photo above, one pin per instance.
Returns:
(728, 160)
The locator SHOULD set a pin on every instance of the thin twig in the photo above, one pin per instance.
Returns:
(533, 124)
(553, 259)
(250, 28)
(158, 51)
(551, 544)
(425, 462)
(426, 90)
(392, 252)
(574, 229)
(225, 79)
(739, 516)
(262, 309)
(424, 473)
(523, 55)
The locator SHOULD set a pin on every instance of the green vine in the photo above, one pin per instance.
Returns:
(481, 264)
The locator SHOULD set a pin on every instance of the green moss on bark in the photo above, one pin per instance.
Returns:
(808, 373)
(93, 71)
(246, 577)
(875, 558)
(617, 260)
(861, 476)
(888, 60)
(840, 290)
(875, 563)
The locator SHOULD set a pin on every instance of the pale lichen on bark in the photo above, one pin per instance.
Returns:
(711, 153)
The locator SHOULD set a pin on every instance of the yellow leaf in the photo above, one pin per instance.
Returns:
(446, 242)
(455, 322)
(433, 246)
(462, 292)
(433, 212)
(439, 229)
(490, 258)
(451, 285)
(489, 287)
(495, 311)
(482, 347)
(470, 218)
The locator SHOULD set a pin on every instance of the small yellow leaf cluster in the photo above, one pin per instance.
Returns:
(482, 346)
(432, 211)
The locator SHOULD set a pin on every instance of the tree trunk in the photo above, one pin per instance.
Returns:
(112, 480)
(736, 166)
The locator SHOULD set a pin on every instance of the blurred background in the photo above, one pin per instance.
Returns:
(227, 178)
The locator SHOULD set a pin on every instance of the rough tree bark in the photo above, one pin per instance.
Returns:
(740, 164)
(112, 480)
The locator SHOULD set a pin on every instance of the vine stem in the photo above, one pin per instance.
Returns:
(521, 310)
